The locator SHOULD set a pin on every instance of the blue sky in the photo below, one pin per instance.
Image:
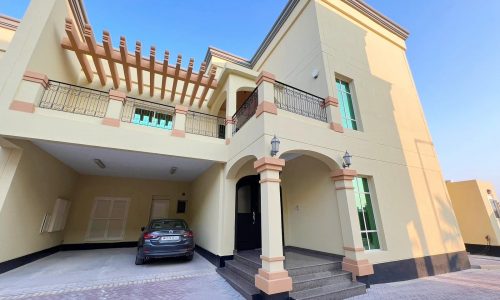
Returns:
(453, 50)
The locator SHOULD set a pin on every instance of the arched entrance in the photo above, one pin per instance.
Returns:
(248, 219)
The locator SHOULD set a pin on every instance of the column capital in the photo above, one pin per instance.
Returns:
(181, 109)
(269, 163)
(117, 95)
(229, 120)
(265, 76)
(37, 78)
(343, 174)
(331, 101)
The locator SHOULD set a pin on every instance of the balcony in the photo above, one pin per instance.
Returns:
(79, 100)
(286, 98)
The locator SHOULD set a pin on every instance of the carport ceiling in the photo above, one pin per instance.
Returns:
(121, 163)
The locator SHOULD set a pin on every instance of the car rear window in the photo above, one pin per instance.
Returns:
(168, 224)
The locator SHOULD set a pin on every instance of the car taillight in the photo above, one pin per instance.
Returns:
(188, 234)
(148, 236)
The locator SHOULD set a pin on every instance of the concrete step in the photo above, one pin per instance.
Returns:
(249, 261)
(314, 280)
(336, 291)
(242, 270)
(324, 267)
(243, 286)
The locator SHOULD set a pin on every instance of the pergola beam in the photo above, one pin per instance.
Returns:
(107, 44)
(211, 78)
(74, 42)
(176, 76)
(197, 84)
(152, 55)
(88, 35)
(186, 83)
(138, 66)
(126, 70)
(89, 47)
(164, 74)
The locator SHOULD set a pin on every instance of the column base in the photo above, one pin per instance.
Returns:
(22, 106)
(178, 133)
(272, 283)
(336, 127)
(357, 267)
(111, 122)
(279, 296)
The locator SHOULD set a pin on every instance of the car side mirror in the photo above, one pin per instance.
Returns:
(142, 228)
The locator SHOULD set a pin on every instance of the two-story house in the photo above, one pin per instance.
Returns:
(315, 149)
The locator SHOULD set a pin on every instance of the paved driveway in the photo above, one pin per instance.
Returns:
(469, 284)
(112, 274)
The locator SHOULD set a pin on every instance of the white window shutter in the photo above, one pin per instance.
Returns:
(108, 219)
(59, 215)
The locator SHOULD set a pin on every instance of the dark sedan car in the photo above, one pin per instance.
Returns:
(165, 238)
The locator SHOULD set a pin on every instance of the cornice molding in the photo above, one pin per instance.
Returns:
(378, 18)
(9, 22)
(214, 52)
(78, 9)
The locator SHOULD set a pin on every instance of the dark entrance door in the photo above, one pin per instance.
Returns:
(248, 227)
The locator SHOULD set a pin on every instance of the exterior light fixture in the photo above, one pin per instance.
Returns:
(99, 163)
(275, 146)
(173, 170)
(346, 160)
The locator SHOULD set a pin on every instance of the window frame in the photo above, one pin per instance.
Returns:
(354, 102)
(375, 213)
(495, 205)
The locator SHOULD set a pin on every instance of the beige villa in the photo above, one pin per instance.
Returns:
(97, 139)
(476, 206)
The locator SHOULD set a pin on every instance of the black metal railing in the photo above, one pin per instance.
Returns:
(148, 113)
(246, 111)
(299, 102)
(207, 125)
(75, 99)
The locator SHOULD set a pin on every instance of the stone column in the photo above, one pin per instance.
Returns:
(351, 233)
(333, 114)
(115, 107)
(265, 89)
(180, 121)
(272, 278)
(30, 92)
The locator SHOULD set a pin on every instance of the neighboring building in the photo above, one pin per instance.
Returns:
(478, 213)
(122, 138)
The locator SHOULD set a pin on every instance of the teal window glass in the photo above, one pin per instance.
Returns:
(366, 216)
(345, 104)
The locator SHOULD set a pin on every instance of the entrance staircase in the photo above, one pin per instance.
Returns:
(314, 276)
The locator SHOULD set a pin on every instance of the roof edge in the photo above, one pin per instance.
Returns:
(378, 17)
(9, 22)
(215, 52)
(359, 5)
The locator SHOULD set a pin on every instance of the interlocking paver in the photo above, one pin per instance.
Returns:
(468, 284)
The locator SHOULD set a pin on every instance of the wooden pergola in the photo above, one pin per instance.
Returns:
(89, 47)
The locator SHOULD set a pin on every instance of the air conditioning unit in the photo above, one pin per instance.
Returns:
(57, 220)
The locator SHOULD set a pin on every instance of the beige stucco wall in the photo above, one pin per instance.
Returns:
(38, 181)
(309, 206)
(474, 212)
(140, 193)
(204, 208)
(6, 36)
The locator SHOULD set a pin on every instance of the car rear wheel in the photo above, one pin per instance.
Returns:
(189, 257)
(139, 261)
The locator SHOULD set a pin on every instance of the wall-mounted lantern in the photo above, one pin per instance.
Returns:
(346, 160)
(275, 146)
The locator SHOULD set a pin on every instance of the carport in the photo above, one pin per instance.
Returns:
(109, 201)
